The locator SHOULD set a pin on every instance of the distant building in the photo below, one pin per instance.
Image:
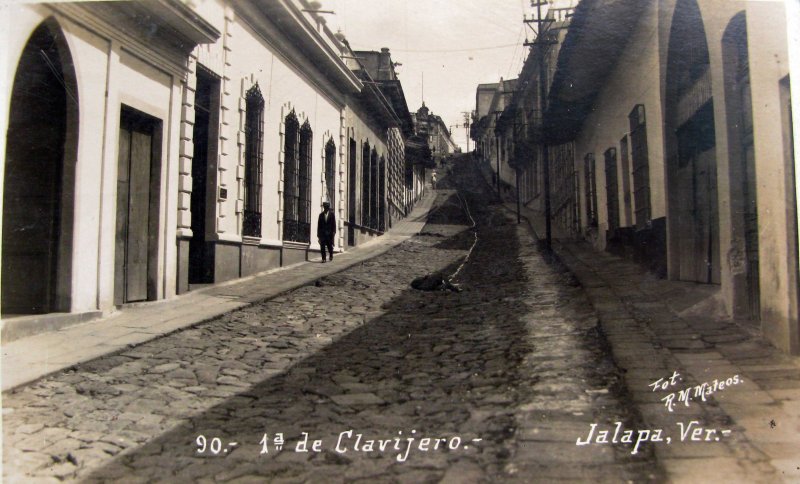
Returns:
(432, 127)
(402, 190)
(492, 143)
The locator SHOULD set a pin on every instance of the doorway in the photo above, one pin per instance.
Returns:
(38, 188)
(698, 220)
(136, 248)
(351, 193)
(741, 151)
(693, 213)
(204, 136)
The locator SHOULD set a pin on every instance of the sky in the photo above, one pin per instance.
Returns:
(454, 44)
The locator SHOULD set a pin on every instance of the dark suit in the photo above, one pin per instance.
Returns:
(326, 229)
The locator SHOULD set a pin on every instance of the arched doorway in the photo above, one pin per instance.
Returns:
(39, 177)
(691, 150)
(739, 109)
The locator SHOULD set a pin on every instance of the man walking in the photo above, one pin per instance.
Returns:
(326, 229)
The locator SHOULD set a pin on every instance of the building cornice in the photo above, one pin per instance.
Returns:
(289, 29)
(161, 32)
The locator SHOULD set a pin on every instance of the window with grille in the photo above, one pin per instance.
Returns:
(365, 178)
(330, 172)
(253, 161)
(304, 184)
(641, 166)
(612, 188)
(373, 192)
(382, 195)
(296, 180)
(626, 179)
(365, 186)
(590, 190)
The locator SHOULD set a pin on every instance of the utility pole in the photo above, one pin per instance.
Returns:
(497, 149)
(466, 126)
(516, 174)
(540, 40)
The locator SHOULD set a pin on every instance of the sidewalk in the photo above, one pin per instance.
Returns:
(656, 327)
(30, 358)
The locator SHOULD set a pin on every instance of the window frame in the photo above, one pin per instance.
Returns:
(253, 162)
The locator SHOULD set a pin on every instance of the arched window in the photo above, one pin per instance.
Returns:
(330, 172)
(304, 184)
(291, 155)
(253, 161)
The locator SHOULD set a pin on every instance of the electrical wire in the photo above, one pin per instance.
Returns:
(435, 51)
(514, 55)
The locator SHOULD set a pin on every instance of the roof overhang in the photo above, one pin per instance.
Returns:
(288, 17)
(162, 32)
(393, 91)
(597, 35)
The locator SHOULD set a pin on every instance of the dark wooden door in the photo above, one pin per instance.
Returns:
(351, 192)
(204, 135)
(133, 210)
(698, 214)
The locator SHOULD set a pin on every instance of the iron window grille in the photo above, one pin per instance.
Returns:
(591, 190)
(612, 188)
(641, 166)
(373, 192)
(382, 195)
(297, 180)
(365, 186)
(330, 172)
(253, 161)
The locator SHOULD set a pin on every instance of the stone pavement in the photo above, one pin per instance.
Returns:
(657, 328)
(494, 383)
(27, 359)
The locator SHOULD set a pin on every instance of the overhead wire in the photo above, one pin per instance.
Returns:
(516, 48)
(436, 51)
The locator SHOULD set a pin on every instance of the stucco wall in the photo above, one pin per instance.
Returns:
(634, 80)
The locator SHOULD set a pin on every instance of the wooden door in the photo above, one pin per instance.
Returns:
(133, 210)
(698, 214)
(351, 193)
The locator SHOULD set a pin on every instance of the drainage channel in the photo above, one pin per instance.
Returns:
(437, 281)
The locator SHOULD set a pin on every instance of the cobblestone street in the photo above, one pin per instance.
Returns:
(501, 378)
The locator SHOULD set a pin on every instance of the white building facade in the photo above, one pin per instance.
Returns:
(156, 146)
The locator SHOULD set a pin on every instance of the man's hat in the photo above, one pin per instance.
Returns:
(326, 203)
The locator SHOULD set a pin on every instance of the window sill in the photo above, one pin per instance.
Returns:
(250, 240)
(288, 244)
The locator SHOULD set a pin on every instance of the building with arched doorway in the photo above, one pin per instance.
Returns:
(90, 171)
(679, 114)
(157, 147)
